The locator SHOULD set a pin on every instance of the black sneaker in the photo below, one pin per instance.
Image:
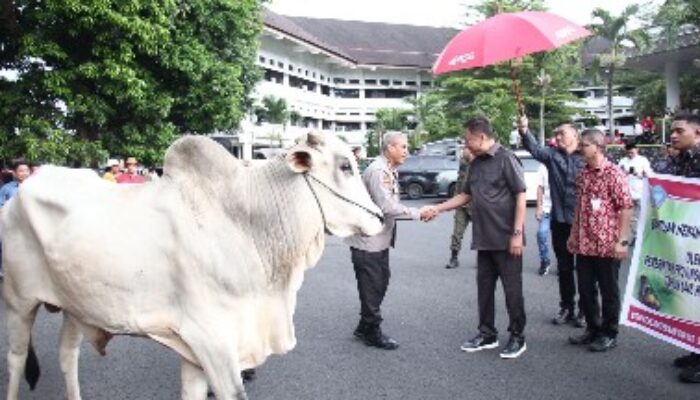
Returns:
(563, 316)
(514, 348)
(375, 338)
(453, 263)
(480, 342)
(587, 338)
(544, 268)
(690, 374)
(602, 343)
(687, 361)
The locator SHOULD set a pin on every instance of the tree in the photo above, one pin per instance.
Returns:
(276, 111)
(127, 76)
(616, 31)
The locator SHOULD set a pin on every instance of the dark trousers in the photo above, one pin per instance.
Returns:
(604, 273)
(565, 265)
(372, 274)
(491, 265)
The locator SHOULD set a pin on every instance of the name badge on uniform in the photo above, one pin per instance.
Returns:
(595, 204)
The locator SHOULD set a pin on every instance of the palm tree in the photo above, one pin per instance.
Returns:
(617, 32)
(275, 110)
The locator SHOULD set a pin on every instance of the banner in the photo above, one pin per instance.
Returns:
(662, 297)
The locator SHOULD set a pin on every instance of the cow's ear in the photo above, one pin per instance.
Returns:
(299, 160)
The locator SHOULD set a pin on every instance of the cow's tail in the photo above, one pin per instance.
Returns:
(32, 372)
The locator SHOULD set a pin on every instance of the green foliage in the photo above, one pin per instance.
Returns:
(127, 76)
(489, 8)
(275, 110)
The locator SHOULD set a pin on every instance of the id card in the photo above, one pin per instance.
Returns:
(595, 204)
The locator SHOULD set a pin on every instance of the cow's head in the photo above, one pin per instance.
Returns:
(333, 176)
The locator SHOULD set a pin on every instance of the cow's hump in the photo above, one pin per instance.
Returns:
(198, 159)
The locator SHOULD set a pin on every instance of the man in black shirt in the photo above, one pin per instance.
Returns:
(685, 137)
(563, 163)
(495, 188)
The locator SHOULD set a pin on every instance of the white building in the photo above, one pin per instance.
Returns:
(593, 101)
(336, 74)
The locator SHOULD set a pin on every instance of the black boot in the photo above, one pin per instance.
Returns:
(375, 338)
(454, 262)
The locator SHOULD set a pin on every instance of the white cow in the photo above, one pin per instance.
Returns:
(207, 261)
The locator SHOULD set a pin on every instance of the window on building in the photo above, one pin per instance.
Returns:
(370, 81)
(313, 74)
(355, 113)
(261, 59)
(425, 83)
(347, 126)
(388, 93)
(280, 64)
(384, 82)
(410, 83)
(291, 67)
(347, 93)
(322, 77)
(397, 83)
(272, 62)
(341, 113)
(354, 81)
(325, 90)
(338, 80)
(273, 76)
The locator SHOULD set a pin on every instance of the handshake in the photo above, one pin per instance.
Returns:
(428, 213)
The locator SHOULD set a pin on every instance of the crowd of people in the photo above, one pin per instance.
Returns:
(586, 202)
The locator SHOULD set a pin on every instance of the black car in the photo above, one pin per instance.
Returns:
(420, 175)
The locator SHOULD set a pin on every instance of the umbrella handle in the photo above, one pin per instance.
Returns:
(516, 89)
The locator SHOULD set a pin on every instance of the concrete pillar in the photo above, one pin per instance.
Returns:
(673, 86)
(285, 80)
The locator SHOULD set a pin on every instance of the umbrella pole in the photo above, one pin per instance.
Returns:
(516, 89)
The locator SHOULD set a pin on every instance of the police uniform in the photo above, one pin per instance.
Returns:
(462, 216)
(370, 255)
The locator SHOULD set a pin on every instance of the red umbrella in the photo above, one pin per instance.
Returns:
(505, 37)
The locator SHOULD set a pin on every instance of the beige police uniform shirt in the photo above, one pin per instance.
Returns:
(382, 184)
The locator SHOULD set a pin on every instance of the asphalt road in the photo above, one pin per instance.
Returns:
(429, 309)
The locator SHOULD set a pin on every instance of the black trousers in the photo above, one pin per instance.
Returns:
(604, 273)
(491, 265)
(565, 265)
(372, 274)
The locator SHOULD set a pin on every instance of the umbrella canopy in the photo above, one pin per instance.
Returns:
(505, 37)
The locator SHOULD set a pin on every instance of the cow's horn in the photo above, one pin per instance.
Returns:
(314, 139)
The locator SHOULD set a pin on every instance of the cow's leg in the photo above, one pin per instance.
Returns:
(19, 330)
(194, 381)
(216, 353)
(69, 350)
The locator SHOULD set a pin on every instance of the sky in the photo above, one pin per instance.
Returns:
(430, 12)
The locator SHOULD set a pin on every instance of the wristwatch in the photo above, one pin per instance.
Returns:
(517, 232)
(625, 242)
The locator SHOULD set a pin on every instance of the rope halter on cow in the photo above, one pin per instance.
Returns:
(338, 195)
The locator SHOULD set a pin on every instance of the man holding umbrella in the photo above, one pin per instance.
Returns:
(563, 162)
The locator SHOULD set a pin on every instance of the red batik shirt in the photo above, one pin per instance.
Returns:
(601, 194)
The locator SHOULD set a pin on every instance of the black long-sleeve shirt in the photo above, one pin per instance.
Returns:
(563, 169)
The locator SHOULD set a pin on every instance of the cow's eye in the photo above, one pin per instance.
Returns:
(346, 167)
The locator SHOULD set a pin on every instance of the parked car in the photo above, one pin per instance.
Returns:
(421, 175)
(530, 165)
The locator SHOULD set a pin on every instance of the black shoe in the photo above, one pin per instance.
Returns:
(544, 268)
(248, 375)
(690, 374)
(480, 342)
(563, 316)
(687, 361)
(602, 343)
(360, 330)
(579, 321)
(587, 338)
(514, 348)
(375, 338)
(454, 261)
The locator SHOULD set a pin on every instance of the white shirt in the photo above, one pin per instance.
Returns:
(543, 180)
(514, 137)
(636, 168)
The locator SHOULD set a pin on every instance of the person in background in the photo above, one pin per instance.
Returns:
(542, 214)
(20, 172)
(600, 239)
(514, 138)
(462, 216)
(637, 167)
(131, 175)
(685, 138)
(112, 171)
